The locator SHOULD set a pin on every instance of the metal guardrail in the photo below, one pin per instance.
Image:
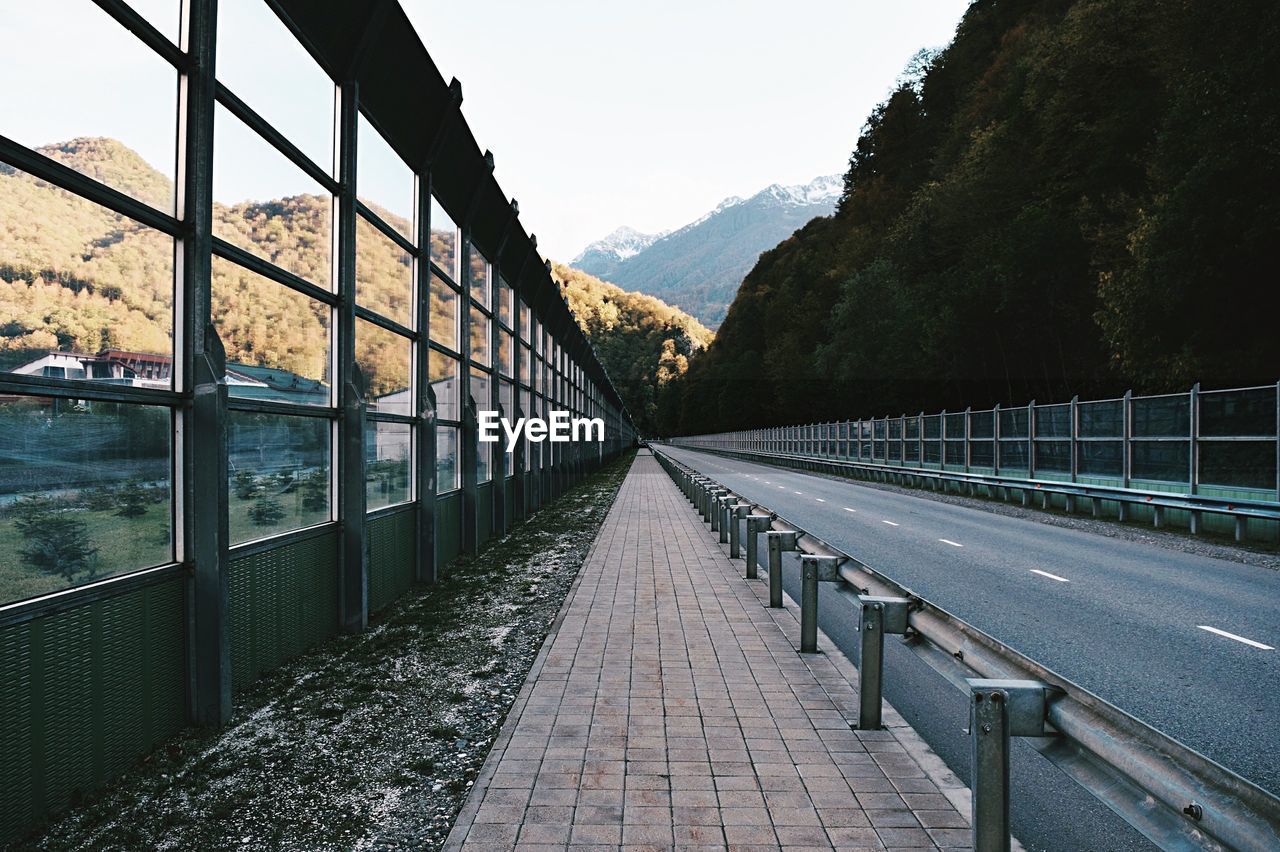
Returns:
(1175, 796)
(1241, 510)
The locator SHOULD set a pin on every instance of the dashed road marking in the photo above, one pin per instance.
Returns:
(950, 542)
(1249, 642)
(847, 509)
(1050, 576)
(799, 492)
(820, 500)
(890, 523)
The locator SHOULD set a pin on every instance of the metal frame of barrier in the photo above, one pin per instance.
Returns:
(1173, 795)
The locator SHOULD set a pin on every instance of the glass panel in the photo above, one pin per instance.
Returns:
(1013, 423)
(1053, 456)
(1162, 416)
(277, 339)
(1053, 421)
(1013, 454)
(479, 339)
(1101, 458)
(982, 454)
(526, 356)
(480, 271)
(278, 468)
(84, 293)
(505, 345)
(506, 396)
(526, 321)
(385, 359)
(384, 182)
(932, 426)
(445, 239)
(386, 463)
(445, 371)
(1101, 419)
(933, 452)
(480, 390)
(384, 275)
(85, 492)
(261, 62)
(271, 208)
(1242, 464)
(895, 430)
(955, 425)
(954, 451)
(1238, 413)
(1167, 461)
(82, 90)
(444, 313)
(446, 458)
(982, 424)
(506, 301)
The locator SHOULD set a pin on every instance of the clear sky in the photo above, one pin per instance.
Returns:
(603, 113)
(600, 113)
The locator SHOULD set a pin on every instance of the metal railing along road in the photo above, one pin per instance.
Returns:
(1176, 797)
(1206, 453)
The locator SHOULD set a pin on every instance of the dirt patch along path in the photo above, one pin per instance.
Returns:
(369, 741)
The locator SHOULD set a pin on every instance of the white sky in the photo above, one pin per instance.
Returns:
(599, 113)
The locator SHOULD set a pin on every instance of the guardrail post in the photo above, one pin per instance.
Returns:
(736, 513)
(756, 524)
(713, 507)
(813, 570)
(998, 710)
(880, 615)
(725, 513)
(777, 542)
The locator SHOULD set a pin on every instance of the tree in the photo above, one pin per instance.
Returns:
(266, 512)
(246, 484)
(133, 500)
(315, 491)
(55, 540)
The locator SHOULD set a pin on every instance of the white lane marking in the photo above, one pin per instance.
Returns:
(950, 542)
(820, 500)
(799, 492)
(890, 523)
(1249, 642)
(767, 482)
(1050, 576)
(847, 509)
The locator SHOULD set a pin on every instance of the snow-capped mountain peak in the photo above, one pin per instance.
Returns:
(623, 243)
(820, 190)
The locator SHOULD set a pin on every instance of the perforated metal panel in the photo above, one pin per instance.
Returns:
(391, 547)
(484, 513)
(448, 530)
(83, 694)
(282, 602)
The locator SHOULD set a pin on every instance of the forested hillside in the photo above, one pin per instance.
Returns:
(75, 276)
(642, 341)
(1075, 196)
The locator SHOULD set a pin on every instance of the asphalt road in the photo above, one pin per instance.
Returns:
(1123, 619)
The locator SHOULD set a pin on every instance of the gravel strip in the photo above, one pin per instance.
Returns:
(369, 741)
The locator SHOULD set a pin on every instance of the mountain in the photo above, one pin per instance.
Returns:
(643, 342)
(700, 266)
(603, 257)
(77, 277)
(1073, 197)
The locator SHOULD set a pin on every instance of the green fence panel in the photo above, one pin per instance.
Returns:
(390, 541)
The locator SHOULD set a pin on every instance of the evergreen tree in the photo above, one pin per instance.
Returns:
(55, 541)
(265, 512)
(132, 500)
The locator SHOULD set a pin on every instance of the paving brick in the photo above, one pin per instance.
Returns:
(670, 710)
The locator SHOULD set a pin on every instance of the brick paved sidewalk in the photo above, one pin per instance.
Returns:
(670, 709)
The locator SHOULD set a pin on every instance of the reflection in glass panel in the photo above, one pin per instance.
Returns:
(444, 313)
(1166, 461)
(1101, 458)
(506, 301)
(278, 473)
(1242, 464)
(85, 492)
(121, 92)
(506, 398)
(447, 468)
(384, 182)
(277, 339)
(385, 358)
(273, 210)
(480, 271)
(1162, 416)
(84, 292)
(481, 385)
(445, 239)
(384, 275)
(1101, 419)
(526, 322)
(479, 339)
(1053, 421)
(445, 385)
(526, 356)
(387, 456)
(1249, 412)
(261, 62)
(505, 347)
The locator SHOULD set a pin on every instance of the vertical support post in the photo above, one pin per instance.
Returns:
(200, 440)
(425, 429)
(1126, 434)
(871, 666)
(1193, 463)
(1073, 412)
(777, 542)
(756, 524)
(736, 514)
(995, 439)
(968, 437)
(725, 513)
(353, 609)
(989, 731)
(1031, 445)
(813, 570)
